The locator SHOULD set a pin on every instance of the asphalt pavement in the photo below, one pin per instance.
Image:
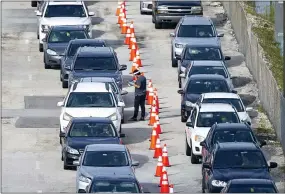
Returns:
(30, 119)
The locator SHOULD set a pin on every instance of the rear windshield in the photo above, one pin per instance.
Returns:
(73, 48)
(65, 36)
(206, 86)
(235, 102)
(208, 119)
(203, 53)
(105, 159)
(92, 129)
(65, 11)
(115, 186)
(95, 63)
(196, 31)
(208, 70)
(250, 188)
(233, 136)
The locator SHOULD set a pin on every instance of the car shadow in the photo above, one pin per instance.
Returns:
(136, 135)
(150, 187)
(142, 159)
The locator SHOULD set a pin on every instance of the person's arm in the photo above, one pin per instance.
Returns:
(138, 83)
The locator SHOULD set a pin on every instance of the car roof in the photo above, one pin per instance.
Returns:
(68, 27)
(65, 3)
(209, 42)
(95, 52)
(244, 146)
(208, 63)
(106, 147)
(97, 79)
(91, 119)
(86, 41)
(194, 20)
(232, 126)
(90, 87)
(216, 107)
(220, 95)
(251, 181)
(206, 77)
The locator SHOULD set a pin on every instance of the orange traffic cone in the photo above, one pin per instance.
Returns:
(157, 101)
(164, 187)
(159, 166)
(123, 17)
(132, 27)
(134, 42)
(158, 149)
(153, 140)
(154, 104)
(150, 96)
(134, 66)
(120, 16)
(171, 188)
(158, 127)
(148, 88)
(139, 62)
(124, 26)
(133, 53)
(131, 39)
(118, 8)
(128, 36)
(157, 135)
(152, 118)
(164, 176)
(165, 159)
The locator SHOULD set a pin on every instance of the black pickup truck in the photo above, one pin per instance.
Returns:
(172, 11)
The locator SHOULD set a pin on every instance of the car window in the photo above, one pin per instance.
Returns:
(208, 70)
(196, 31)
(73, 48)
(205, 86)
(237, 103)
(203, 53)
(248, 188)
(105, 159)
(90, 99)
(65, 11)
(91, 129)
(239, 159)
(193, 116)
(233, 136)
(65, 36)
(207, 119)
(114, 186)
(95, 63)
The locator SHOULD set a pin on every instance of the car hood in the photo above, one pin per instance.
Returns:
(58, 21)
(239, 173)
(185, 40)
(202, 131)
(59, 48)
(192, 97)
(81, 142)
(85, 73)
(91, 112)
(90, 171)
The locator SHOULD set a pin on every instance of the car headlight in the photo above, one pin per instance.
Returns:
(87, 28)
(188, 103)
(162, 9)
(113, 117)
(44, 28)
(51, 52)
(196, 8)
(71, 150)
(84, 179)
(217, 183)
(179, 45)
(67, 117)
(199, 138)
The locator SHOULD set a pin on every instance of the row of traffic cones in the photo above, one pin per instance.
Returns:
(151, 99)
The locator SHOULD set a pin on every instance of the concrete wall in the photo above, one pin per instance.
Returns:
(270, 97)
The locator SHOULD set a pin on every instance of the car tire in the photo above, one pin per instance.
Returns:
(123, 119)
(203, 184)
(38, 36)
(174, 62)
(194, 159)
(41, 49)
(120, 129)
(157, 25)
(60, 76)
(65, 167)
(47, 66)
(153, 21)
(187, 148)
(179, 83)
(183, 118)
(64, 84)
(34, 3)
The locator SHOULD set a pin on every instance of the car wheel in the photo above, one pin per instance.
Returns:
(34, 3)
(47, 66)
(38, 36)
(179, 83)
(187, 148)
(183, 118)
(41, 49)
(203, 184)
(123, 119)
(65, 167)
(194, 159)
(157, 25)
(60, 76)
(64, 84)
(120, 129)
(174, 62)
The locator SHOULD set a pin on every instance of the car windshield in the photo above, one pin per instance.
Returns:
(252, 188)
(206, 86)
(65, 11)
(73, 48)
(95, 63)
(114, 186)
(207, 119)
(65, 36)
(235, 102)
(203, 53)
(105, 159)
(90, 99)
(195, 31)
(239, 159)
(92, 129)
(208, 70)
(233, 136)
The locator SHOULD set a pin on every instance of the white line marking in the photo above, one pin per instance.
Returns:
(29, 58)
(37, 165)
(27, 41)
(30, 77)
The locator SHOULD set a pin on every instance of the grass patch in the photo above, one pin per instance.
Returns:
(263, 129)
(260, 108)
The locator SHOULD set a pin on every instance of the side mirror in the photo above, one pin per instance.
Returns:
(248, 109)
(38, 13)
(234, 91)
(67, 67)
(182, 75)
(262, 143)
(123, 67)
(44, 39)
(203, 144)
(227, 58)
(91, 13)
(135, 163)
(172, 34)
(62, 134)
(121, 104)
(124, 92)
(221, 35)
(60, 104)
(178, 57)
(180, 91)
(76, 162)
(273, 165)
(206, 165)
(189, 124)
(122, 135)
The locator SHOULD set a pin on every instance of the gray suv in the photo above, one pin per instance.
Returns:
(190, 29)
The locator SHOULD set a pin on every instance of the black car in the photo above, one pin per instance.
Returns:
(250, 186)
(96, 62)
(56, 41)
(68, 57)
(228, 132)
(237, 160)
(84, 131)
(198, 84)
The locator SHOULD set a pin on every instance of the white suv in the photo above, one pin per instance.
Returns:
(60, 13)
(201, 119)
(90, 100)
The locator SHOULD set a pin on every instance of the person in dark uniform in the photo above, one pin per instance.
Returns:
(140, 95)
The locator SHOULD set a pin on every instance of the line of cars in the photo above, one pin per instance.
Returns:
(92, 111)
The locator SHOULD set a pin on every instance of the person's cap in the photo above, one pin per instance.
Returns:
(136, 72)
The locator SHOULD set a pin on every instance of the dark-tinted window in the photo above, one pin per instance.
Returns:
(196, 31)
(247, 188)
(208, 70)
(65, 11)
(94, 63)
(105, 159)
(235, 102)
(114, 186)
(91, 129)
(206, 86)
(232, 136)
(73, 48)
(203, 53)
(90, 99)
(66, 36)
(207, 119)
(239, 159)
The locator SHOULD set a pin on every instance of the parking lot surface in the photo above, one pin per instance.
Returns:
(30, 119)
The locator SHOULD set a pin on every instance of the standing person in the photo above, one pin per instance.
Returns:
(140, 95)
